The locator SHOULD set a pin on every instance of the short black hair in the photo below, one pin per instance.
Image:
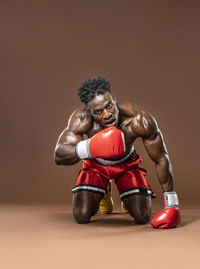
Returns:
(93, 87)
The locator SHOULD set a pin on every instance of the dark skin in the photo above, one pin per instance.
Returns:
(102, 112)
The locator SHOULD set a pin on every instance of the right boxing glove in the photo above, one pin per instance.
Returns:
(108, 143)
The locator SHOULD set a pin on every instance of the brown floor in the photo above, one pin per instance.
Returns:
(48, 237)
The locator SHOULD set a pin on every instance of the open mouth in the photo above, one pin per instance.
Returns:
(111, 122)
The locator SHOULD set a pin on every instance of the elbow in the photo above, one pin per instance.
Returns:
(64, 158)
(57, 162)
(60, 160)
(57, 159)
(163, 160)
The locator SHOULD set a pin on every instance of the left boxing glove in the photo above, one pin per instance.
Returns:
(170, 216)
(108, 143)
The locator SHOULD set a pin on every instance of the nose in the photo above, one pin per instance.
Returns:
(107, 114)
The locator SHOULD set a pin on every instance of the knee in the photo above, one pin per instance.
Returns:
(142, 219)
(81, 217)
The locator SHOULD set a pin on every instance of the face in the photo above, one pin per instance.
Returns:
(104, 110)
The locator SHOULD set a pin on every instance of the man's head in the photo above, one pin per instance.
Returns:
(93, 87)
(96, 95)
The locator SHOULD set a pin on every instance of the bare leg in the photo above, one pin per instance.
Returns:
(85, 205)
(139, 207)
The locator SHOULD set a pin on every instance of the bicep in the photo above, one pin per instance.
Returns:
(77, 126)
(152, 137)
(155, 147)
(69, 137)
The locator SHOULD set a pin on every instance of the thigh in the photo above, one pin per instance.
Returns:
(91, 181)
(133, 182)
(85, 204)
(139, 207)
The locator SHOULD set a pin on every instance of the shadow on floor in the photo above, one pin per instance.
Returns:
(186, 220)
(115, 219)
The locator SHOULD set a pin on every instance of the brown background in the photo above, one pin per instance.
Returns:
(149, 50)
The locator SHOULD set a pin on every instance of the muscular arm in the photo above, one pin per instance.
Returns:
(147, 128)
(65, 149)
(79, 123)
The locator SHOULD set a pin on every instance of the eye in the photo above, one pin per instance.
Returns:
(97, 112)
(109, 105)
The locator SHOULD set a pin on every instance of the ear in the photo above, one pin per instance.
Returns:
(89, 111)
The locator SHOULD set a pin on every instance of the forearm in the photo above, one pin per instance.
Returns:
(164, 173)
(65, 154)
(169, 216)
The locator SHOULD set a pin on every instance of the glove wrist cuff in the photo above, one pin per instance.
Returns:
(170, 199)
(83, 150)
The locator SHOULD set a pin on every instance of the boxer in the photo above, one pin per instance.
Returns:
(101, 133)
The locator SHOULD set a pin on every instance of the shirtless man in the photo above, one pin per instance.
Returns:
(102, 133)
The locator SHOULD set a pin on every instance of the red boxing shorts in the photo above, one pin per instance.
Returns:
(129, 177)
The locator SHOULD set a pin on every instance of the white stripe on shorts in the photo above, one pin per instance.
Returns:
(133, 191)
(89, 188)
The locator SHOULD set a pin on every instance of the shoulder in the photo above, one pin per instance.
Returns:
(127, 109)
(142, 122)
(145, 124)
(80, 121)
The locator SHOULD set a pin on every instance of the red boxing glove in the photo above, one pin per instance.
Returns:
(170, 216)
(108, 143)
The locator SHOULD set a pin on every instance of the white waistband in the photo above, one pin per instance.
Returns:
(113, 162)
